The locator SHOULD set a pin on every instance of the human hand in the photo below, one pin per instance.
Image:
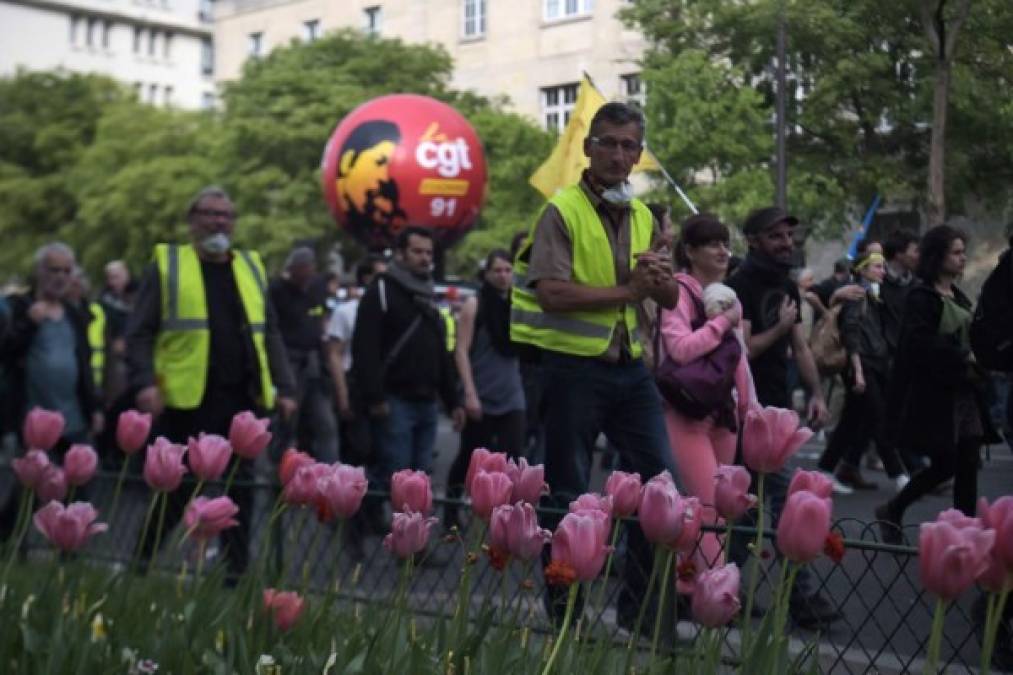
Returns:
(817, 413)
(39, 311)
(286, 406)
(149, 400)
(787, 314)
(859, 386)
(473, 407)
(733, 314)
(458, 418)
(851, 292)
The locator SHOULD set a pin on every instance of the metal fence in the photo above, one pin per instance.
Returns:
(885, 615)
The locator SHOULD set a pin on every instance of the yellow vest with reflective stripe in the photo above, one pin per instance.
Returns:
(97, 341)
(450, 327)
(183, 346)
(586, 332)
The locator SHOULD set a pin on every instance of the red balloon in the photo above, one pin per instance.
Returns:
(404, 160)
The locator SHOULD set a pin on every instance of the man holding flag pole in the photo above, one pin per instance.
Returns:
(593, 255)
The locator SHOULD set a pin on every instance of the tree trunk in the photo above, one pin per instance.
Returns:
(935, 203)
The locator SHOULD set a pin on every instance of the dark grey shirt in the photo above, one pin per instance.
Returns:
(51, 373)
(497, 377)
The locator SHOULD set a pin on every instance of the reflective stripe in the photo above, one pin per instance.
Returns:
(255, 270)
(563, 324)
(172, 281)
(257, 327)
(520, 280)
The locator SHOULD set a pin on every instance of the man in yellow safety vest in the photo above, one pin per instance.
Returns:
(593, 255)
(203, 343)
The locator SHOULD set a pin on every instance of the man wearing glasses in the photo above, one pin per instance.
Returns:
(594, 254)
(203, 343)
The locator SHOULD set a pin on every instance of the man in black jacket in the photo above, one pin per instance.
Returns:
(400, 359)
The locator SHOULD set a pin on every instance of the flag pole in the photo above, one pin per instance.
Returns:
(664, 172)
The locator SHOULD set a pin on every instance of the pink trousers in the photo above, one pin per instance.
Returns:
(698, 447)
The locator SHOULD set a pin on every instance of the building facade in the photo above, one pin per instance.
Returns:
(161, 48)
(532, 51)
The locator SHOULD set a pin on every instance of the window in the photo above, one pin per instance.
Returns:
(167, 46)
(473, 18)
(207, 57)
(557, 104)
(138, 37)
(373, 17)
(632, 89)
(554, 10)
(75, 28)
(167, 96)
(207, 100)
(137, 90)
(152, 38)
(107, 28)
(90, 37)
(255, 44)
(311, 30)
(152, 92)
(205, 10)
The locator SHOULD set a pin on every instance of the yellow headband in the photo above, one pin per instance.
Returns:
(868, 260)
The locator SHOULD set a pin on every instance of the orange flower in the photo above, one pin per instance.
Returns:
(497, 558)
(559, 574)
(833, 547)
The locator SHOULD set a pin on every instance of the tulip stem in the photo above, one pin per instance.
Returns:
(661, 603)
(727, 542)
(70, 495)
(310, 553)
(597, 608)
(996, 606)
(119, 488)
(658, 555)
(464, 590)
(201, 554)
(399, 606)
(935, 639)
(161, 524)
(571, 600)
(789, 571)
(20, 528)
(196, 490)
(144, 528)
(331, 584)
(295, 542)
(754, 573)
(232, 474)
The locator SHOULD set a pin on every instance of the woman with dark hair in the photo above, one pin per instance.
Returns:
(490, 374)
(699, 446)
(938, 385)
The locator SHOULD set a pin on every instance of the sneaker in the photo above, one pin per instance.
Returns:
(873, 463)
(852, 477)
(839, 487)
(901, 481)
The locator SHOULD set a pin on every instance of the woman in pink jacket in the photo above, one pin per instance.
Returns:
(700, 446)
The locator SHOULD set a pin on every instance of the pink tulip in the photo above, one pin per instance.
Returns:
(409, 534)
(206, 518)
(716, 596)
(770, 436)
(208, 455)
(811, 481)
(953, 551)
(581, 544)
(163, 465)
(411, 491)
(482, 459)
(31, 468)
(284, 606)
(514, 529)
(529, 481)
(248, 435)
(340, 492)
(731, 492)
(79, 464)
(624, 489)
(42, 429)
(591, 501)
(804, 526)
(68, 527)
(52, 486)
(999, 517)
(489, 490)
(692, 522)
(662, 510)
(291, 461)
(132, 430)
(303, 488)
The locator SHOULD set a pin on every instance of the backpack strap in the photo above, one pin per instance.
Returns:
(695, 323)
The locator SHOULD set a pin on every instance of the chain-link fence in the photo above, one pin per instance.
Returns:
(883, 627)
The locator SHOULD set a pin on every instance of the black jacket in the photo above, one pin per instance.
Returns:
(928, 369)
(423, 369)
(861, 324)
(18, 340)
(894, 295)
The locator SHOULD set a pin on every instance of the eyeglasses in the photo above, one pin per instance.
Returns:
(216, 213)
(609, 143)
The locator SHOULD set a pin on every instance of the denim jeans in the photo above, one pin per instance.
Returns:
(584, 397)
(404, 439)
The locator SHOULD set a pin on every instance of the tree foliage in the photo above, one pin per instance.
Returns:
(83, 161)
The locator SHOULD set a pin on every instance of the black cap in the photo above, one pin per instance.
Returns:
(762, 219)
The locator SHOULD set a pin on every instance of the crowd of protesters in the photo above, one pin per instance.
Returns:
(569, 336)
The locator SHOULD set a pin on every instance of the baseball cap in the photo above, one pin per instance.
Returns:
(761, 219)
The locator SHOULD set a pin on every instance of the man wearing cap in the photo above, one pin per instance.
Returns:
(203, 344)
(772, 328)
(591, 258)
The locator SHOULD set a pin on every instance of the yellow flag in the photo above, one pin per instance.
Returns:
(567, 161)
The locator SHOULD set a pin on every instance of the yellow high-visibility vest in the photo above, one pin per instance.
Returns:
(451, 328)
(183, 346)
(97, 341)
(585, 332)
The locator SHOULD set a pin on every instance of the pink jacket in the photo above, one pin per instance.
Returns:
(683, 344)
